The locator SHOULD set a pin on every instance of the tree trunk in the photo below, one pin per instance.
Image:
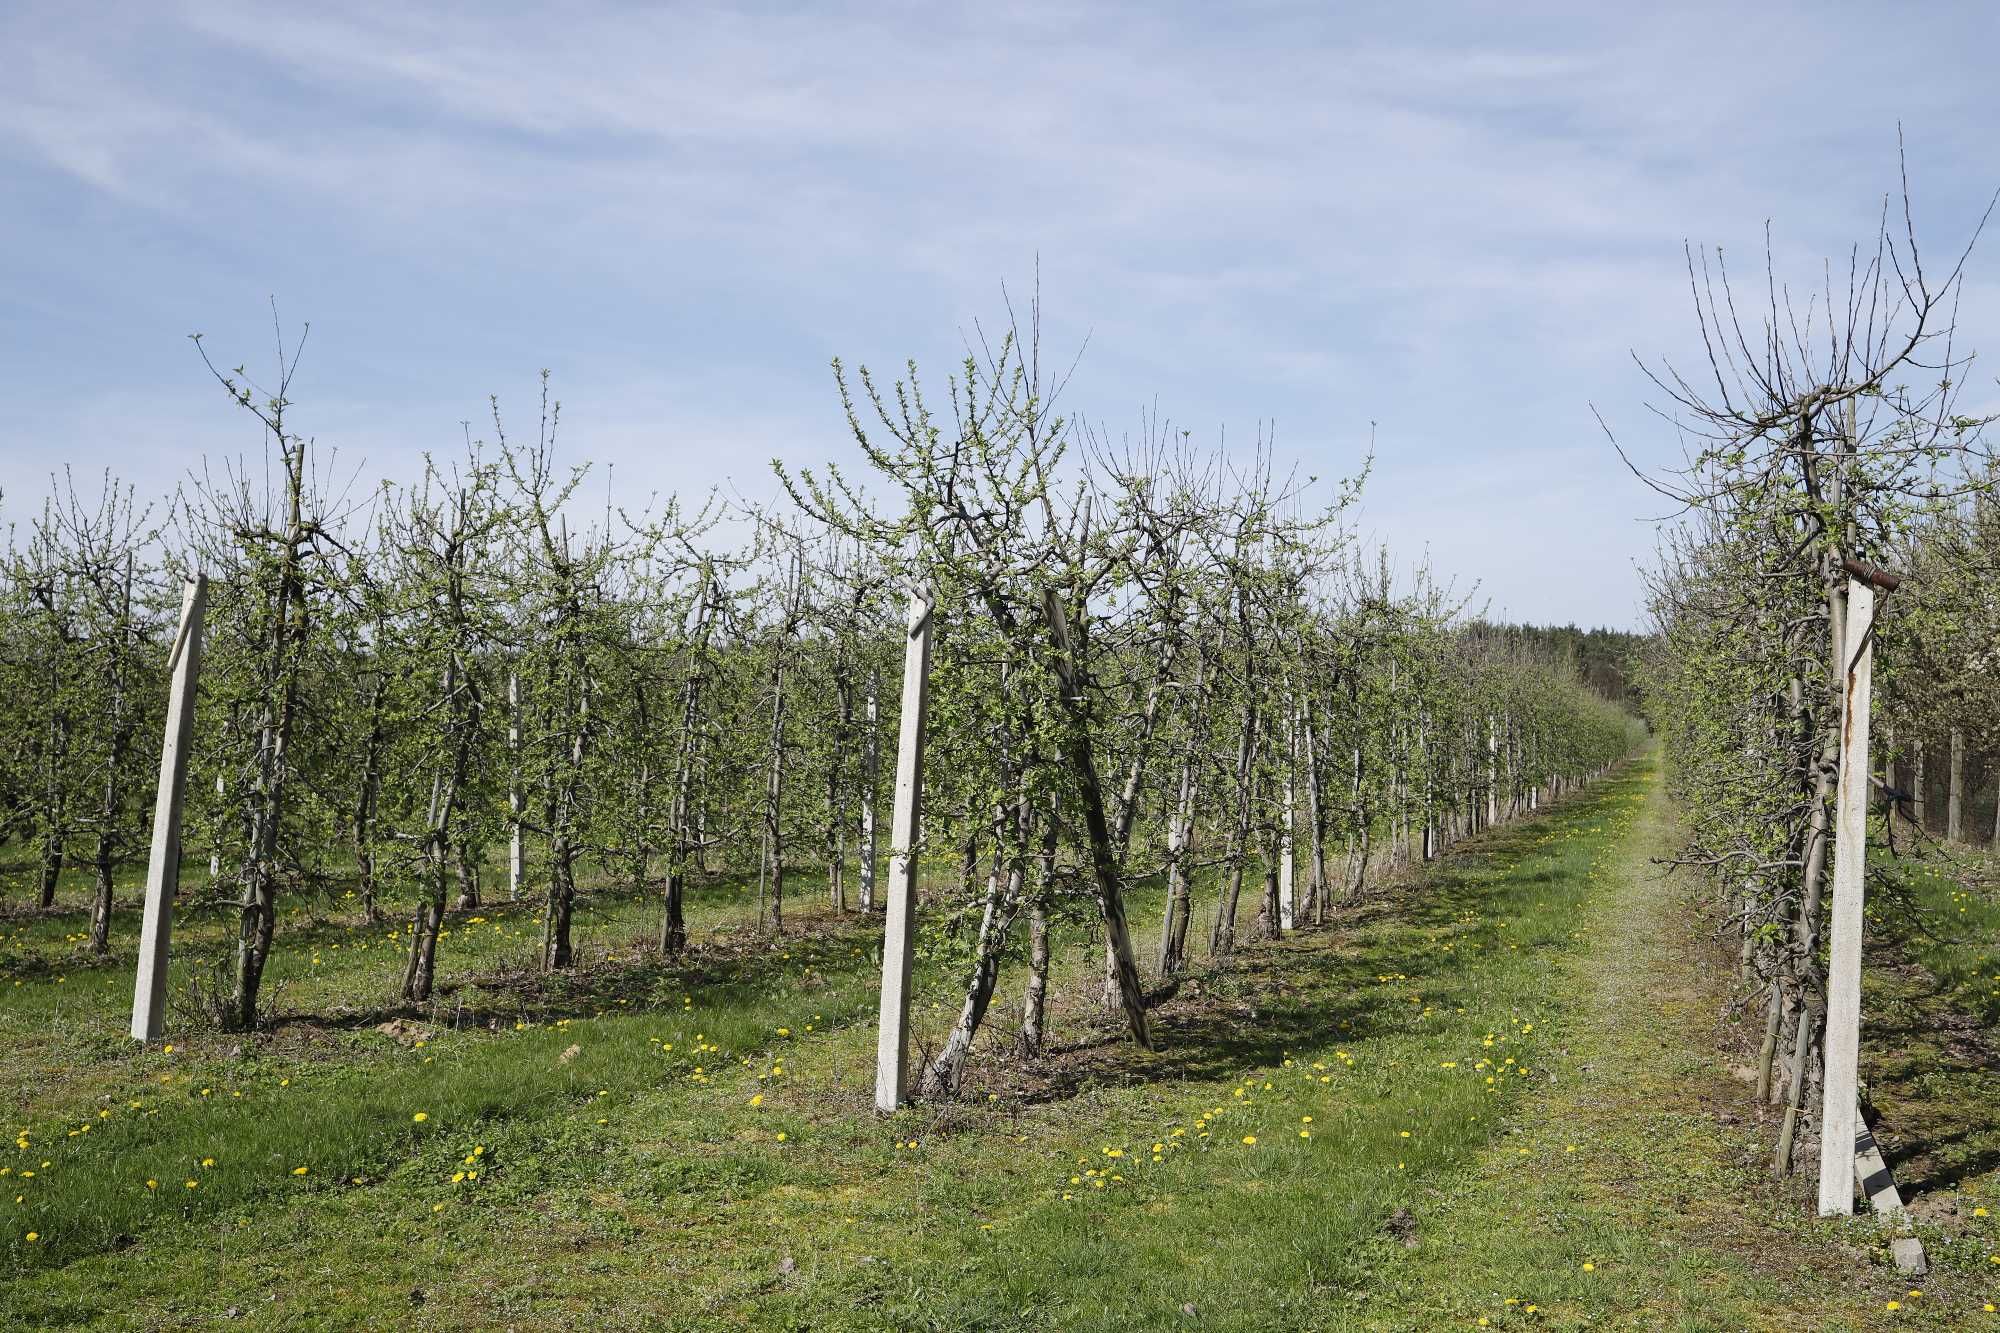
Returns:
(1003, 900)
(366, 799)
(1222, 938)
(836, 808)
(673, 924)
(871, 761)
(1180, 847)
(1103, 854)
(1954, 805)
(774, 838)
(114, 771)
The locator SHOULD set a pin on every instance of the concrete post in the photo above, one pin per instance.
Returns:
(513, 787)
(892, 1038)
(163, 870)
(1839, 1129)
(1287, 838)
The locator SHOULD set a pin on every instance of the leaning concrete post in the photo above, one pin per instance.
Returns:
(163, 871)
(1838, 1127)
(892, 1039)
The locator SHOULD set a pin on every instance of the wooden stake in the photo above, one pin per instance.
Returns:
(1838, 1127)
(163, 871)
(892, 1037)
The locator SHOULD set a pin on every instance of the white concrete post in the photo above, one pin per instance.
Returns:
(513, 787)
(892, 1037)
(163, 870)
(1839, 1127)
(1287, 859)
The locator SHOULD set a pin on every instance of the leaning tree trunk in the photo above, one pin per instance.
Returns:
(1128, 814)
(1180, 847)
(1082, 764)
(1004, 885)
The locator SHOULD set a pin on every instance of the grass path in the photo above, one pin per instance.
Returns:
(1436, 1113)
(1641, 1162)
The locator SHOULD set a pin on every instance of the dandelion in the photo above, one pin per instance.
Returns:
(300, 1170)
(757, 1100)
(34, 1236)
(781, 1136)
(193, 1184)
(1892, 1305)
(1250, 1139)
(421, 1116)
(1589, 1267)
(152, 1184)
(208, 1161)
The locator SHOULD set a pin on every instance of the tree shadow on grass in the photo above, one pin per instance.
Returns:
(724, 969)
(1320, 986)
(1933, 1075)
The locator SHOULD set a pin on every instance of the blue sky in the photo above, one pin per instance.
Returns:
(1455, 222)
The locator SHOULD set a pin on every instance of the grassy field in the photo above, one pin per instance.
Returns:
(1497, 1097)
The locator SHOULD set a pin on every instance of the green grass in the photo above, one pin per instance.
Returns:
(619, 1188)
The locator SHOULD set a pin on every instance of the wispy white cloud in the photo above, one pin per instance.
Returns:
(1452, 223)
